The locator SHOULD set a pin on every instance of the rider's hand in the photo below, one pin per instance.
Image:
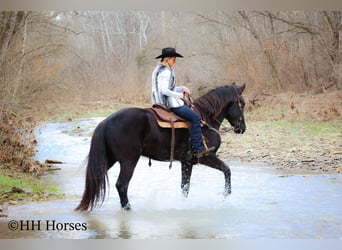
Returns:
(186, 90)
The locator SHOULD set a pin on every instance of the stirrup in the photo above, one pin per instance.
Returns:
(205, 152)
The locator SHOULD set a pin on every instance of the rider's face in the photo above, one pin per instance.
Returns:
(171, 61)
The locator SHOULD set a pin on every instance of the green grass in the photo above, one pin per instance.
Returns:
(34, 188)
(309, 128)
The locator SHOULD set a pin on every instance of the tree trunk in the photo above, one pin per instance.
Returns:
(334, 20)
(21, 80)
(339, 70)
(254, 32)
(6, 37)
(339, 55)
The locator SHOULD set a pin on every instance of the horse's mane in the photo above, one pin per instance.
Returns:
(212, 103)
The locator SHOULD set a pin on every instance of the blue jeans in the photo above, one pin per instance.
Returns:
(195, 129)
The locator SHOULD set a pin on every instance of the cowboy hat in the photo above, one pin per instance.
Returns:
(169, 52)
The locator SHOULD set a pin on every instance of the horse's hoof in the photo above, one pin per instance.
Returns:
(227, 192)
(185, 193)
(127, 207)
(185, 190)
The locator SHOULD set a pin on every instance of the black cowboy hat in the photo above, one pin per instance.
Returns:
(169, 52)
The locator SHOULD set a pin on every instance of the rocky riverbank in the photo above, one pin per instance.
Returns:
(301, 134)
(286, 147)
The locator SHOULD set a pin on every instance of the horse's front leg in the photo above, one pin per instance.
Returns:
(186, 175)
(214, 162)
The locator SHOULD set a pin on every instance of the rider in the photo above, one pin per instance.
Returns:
(165, 91)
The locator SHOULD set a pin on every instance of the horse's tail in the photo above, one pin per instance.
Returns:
(96, 172)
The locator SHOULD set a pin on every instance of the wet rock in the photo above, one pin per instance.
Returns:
(17, 190)
(49, 161)
(12, 203)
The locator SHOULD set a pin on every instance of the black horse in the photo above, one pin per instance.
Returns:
(129, 133)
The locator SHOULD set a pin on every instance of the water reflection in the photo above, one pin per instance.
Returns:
(263, 204)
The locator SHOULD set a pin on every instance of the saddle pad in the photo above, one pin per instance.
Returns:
(166, 118)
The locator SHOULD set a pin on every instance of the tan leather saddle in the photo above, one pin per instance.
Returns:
(166, 119)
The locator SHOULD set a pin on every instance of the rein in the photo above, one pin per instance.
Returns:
(188, 100)
(224, 128)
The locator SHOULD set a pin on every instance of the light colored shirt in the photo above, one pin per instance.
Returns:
(164, 90)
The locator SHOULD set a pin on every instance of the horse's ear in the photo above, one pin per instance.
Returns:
(241, 88)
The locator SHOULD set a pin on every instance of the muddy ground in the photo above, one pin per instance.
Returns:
(301, 134)
(278, 149)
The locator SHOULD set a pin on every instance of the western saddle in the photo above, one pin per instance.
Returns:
(167, 119)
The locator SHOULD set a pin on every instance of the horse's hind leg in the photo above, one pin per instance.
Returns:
(186, 175)
(125, 175)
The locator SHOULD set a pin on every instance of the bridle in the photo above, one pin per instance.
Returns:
(238, 127)
(188, 100)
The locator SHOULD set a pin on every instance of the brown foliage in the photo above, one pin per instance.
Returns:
(17, 142)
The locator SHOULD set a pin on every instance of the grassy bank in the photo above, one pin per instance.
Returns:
(17, 186)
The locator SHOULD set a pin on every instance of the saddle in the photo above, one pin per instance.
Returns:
(167, 119)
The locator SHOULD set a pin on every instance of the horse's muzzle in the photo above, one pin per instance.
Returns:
(240, 128)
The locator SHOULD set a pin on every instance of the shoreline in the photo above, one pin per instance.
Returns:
(314, 149)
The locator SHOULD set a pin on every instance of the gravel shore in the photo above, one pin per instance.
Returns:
(287, 147)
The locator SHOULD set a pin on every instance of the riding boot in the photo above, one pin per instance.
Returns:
(205, 152)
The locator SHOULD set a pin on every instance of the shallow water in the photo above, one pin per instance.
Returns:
(263, 204)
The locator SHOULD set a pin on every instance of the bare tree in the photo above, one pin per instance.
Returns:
(252, 28)
(301, 48)
(7, 34)
(325, 34)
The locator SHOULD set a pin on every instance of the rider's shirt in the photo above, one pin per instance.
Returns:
(164, 90)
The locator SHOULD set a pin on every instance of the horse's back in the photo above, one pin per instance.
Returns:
(128, 118)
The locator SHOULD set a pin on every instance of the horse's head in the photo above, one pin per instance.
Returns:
(234, 112)
(223, 103)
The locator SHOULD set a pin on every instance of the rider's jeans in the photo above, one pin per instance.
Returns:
(195, 129)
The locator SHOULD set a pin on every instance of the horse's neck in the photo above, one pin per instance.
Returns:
(211, 119)
(218, 121)
(211, 116)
